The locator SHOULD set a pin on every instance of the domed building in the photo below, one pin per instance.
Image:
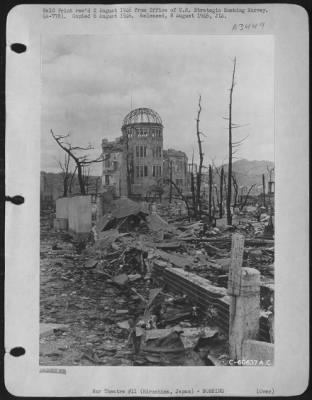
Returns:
(142, 133)
(133, 163)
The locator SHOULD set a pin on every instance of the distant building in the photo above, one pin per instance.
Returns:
(135, 164)
(113, 166)
(175, 167)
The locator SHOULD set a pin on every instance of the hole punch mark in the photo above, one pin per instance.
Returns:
(17, 200)
(17, 351)
(18, 47)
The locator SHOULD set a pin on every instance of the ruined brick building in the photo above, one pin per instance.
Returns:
(175, 167)
(135, 163)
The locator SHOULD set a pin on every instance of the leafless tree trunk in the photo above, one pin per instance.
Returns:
(170, 189)
(183, 198)
(263, 186)
(221, 192)
(246, 197)
(65, 173)
(210, 193)
(72, 180)
(201, 159)
(229, 191)
(80, 161)
(86, 176)
(235, 185)
(193, 186)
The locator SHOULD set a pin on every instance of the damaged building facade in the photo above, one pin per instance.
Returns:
(135, 163)
(113, 166)
(175, 167)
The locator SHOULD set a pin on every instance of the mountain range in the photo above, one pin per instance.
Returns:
(248, 172)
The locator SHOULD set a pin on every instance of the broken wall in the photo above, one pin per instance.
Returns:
(80, 214)
(62, 207)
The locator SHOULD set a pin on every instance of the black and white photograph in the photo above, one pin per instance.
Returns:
(157, 200)
(161, 152)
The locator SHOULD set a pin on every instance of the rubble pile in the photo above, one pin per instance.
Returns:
(112, 310)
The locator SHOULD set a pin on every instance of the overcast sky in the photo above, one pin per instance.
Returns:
(89, 83)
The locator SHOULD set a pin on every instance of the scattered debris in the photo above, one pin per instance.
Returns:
(144, 291)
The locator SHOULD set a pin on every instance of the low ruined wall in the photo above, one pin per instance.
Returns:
(204, 294)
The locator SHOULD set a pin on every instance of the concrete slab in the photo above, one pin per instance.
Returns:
(62, 205)
(80, 214)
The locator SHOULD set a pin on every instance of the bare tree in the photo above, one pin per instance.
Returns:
(263, 188)
(229, 192)
(235, 186)
(66, 174)
(72, 180)
(210, 193)
(221, 192)
(243, 203)
(81, 161)
(170, 188)
(193, 184)
(181, 195)
(222, 185)
(198, 208)
(86, 176)
(232, 144)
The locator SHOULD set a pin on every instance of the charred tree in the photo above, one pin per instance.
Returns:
(182, 197)
(229, 186)
(235, 186)
(72, 180)
(201, 160)
(193, 186)
(170, 187)
(66, 174)
(210, 194)
(80, 160)
(263, 188)
(246, 197)
(221, 192)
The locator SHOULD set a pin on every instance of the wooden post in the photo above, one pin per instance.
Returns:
(244, 290)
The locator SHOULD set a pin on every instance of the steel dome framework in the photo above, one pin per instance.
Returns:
(142, 116)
